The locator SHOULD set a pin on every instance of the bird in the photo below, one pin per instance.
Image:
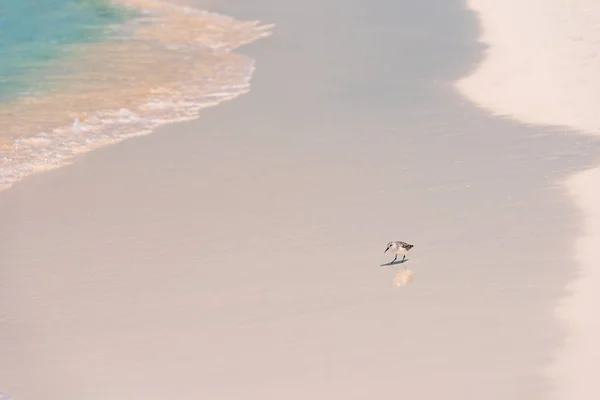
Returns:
(398, 247)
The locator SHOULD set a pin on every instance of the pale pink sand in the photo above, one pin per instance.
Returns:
(543, 67)
(577, 365)
(237, 256)
(543, 61)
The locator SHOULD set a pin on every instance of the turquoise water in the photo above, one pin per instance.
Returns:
(77, 75)
(35, 33)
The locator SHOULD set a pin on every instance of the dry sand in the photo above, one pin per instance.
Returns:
(543, 67)
(237, 256)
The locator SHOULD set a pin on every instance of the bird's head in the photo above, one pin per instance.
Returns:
(390, 245)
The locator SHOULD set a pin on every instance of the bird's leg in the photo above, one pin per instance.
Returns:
(394, 259)
(403, 258)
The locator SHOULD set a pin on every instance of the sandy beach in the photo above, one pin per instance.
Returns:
(238, 255)
(542, 67)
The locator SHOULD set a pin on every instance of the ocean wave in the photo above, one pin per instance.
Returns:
(162, 67)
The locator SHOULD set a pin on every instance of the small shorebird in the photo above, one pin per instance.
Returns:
(397, 247)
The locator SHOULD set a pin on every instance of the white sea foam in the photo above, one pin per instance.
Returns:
(161, 68)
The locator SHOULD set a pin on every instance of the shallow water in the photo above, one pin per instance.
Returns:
(36, 34)
(136, 65)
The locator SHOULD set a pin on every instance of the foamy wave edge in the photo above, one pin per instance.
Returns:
(47, 151)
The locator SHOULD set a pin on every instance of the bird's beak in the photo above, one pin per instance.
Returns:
(386, 249)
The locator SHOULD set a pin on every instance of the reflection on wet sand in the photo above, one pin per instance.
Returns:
(403, 277)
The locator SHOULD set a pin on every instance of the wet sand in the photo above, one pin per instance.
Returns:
(238, 255)
(162, 66)
(542, 68)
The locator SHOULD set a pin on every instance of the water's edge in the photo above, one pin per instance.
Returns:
(162, 67)
(542, 91)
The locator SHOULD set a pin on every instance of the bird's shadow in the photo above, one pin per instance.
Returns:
(390, 264)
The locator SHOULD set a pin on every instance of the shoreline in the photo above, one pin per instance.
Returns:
(556, 86)
(110, 93)
(245, 246)
(576, 363)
